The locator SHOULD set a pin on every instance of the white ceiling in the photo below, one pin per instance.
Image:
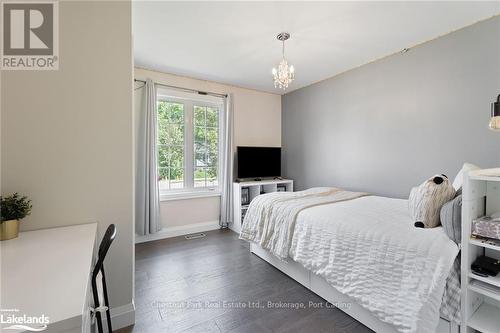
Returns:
(235, 42)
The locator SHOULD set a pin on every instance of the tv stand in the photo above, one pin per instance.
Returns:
(253, 189)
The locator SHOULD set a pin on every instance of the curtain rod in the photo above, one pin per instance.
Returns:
(185, 89)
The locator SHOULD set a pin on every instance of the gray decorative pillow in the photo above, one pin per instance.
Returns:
(451, 219)
(426, 200)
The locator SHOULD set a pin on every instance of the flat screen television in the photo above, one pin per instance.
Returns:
(259, 162)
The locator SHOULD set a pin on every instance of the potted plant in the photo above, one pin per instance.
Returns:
(12, 209)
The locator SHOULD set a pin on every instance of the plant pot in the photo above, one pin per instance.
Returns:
(9, 229)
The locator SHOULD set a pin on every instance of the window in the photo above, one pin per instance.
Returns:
(188, 142)
(170, 145)
(206, 146)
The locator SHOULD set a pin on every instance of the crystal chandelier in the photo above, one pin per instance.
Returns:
(285, 74)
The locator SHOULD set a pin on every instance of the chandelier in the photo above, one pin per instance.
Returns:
(285, 74)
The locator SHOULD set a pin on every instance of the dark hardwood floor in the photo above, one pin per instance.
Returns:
(214, 284)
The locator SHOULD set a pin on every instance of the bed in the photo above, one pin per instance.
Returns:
(361, 253)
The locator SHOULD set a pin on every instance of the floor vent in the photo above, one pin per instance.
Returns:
(194, 236)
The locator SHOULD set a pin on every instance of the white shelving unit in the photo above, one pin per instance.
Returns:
(255, 188)
(480, 295)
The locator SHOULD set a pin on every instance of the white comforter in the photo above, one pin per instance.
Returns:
(270, 220)
(368, 248)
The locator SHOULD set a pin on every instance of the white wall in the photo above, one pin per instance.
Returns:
(66, 135)
(190, 211)
(257, 122)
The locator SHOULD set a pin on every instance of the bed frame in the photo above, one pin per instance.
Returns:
(319, 286)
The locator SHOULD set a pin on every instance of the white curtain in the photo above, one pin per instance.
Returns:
(226, 204)
(147, 193)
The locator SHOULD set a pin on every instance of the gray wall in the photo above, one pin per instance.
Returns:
(388, 125)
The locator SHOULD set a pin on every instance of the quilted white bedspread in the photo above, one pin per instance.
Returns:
(270, 220)
(368, 248)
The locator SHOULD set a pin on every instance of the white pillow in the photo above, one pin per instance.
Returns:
(459, 179)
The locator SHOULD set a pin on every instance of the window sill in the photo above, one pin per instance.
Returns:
(188, 195)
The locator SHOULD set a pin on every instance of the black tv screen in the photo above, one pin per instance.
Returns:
(259, 162)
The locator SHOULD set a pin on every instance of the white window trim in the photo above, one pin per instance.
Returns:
(188, 100)
(178, 195)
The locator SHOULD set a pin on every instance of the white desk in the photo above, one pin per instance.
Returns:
(48, 272)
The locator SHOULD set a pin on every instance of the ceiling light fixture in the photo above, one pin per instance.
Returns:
(284, 74)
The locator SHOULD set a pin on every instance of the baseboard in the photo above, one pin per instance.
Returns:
(121, 316)
(178, 231)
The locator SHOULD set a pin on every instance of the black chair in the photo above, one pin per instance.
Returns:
(108, 238)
